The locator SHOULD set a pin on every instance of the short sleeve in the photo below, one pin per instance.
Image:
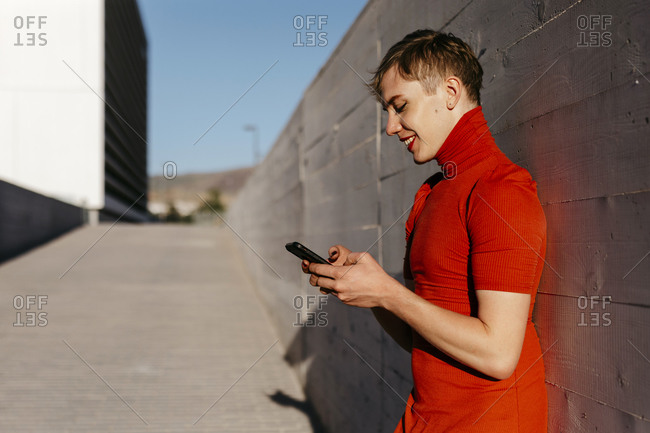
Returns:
(507, 231)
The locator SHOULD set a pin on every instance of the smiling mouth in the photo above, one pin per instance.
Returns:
(409, 141)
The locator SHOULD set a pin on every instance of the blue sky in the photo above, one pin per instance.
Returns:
(204, 55)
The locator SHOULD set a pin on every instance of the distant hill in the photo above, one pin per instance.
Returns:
(182, 190)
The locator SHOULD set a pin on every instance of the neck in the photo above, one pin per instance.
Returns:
(469, 141)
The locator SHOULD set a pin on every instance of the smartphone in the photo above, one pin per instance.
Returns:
(302, 252)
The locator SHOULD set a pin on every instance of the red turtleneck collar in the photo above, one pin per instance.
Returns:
(468, 143)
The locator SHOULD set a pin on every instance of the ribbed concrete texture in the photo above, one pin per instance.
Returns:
(567, 96)
(154, 329)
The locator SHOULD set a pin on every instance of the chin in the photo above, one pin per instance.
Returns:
(420, 160)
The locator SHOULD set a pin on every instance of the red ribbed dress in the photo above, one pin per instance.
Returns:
(481, 227)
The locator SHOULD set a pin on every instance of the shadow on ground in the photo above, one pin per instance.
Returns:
(305, 407)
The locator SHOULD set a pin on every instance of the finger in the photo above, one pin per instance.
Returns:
(305, 266)
(322, 270)
(325, 284)
(342, 250)
(316, 280)
(336, 252)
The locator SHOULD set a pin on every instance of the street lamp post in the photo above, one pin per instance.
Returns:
(256, 141)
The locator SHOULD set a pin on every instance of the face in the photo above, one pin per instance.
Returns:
(420, 120)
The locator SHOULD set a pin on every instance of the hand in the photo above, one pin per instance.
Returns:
(338, 256)
(359, 281)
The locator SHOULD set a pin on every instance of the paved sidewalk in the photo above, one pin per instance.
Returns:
(155, 329)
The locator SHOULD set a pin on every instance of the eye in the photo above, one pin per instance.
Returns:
(400, 109)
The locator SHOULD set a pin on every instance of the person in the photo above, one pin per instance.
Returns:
(476, 238)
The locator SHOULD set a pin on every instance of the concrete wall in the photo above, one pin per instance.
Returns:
(564, 103)
(28, 219)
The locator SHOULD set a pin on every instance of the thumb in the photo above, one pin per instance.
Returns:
(354, 258)
(337, 251)
(338, 255)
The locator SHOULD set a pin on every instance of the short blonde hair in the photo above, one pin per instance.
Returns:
(428, 57)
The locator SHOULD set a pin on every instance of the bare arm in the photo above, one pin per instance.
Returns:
(490, 343)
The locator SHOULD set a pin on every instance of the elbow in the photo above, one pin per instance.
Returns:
(502, 373)
(502, 367)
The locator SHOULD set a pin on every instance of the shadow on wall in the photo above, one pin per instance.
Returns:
(297, 354)
(369, 392)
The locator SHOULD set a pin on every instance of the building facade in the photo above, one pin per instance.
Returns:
(73, 112)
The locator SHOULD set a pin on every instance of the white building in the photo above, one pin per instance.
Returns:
(73, 92)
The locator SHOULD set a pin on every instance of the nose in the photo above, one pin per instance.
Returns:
(394, 124)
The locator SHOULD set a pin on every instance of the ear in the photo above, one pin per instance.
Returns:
(453, 90)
